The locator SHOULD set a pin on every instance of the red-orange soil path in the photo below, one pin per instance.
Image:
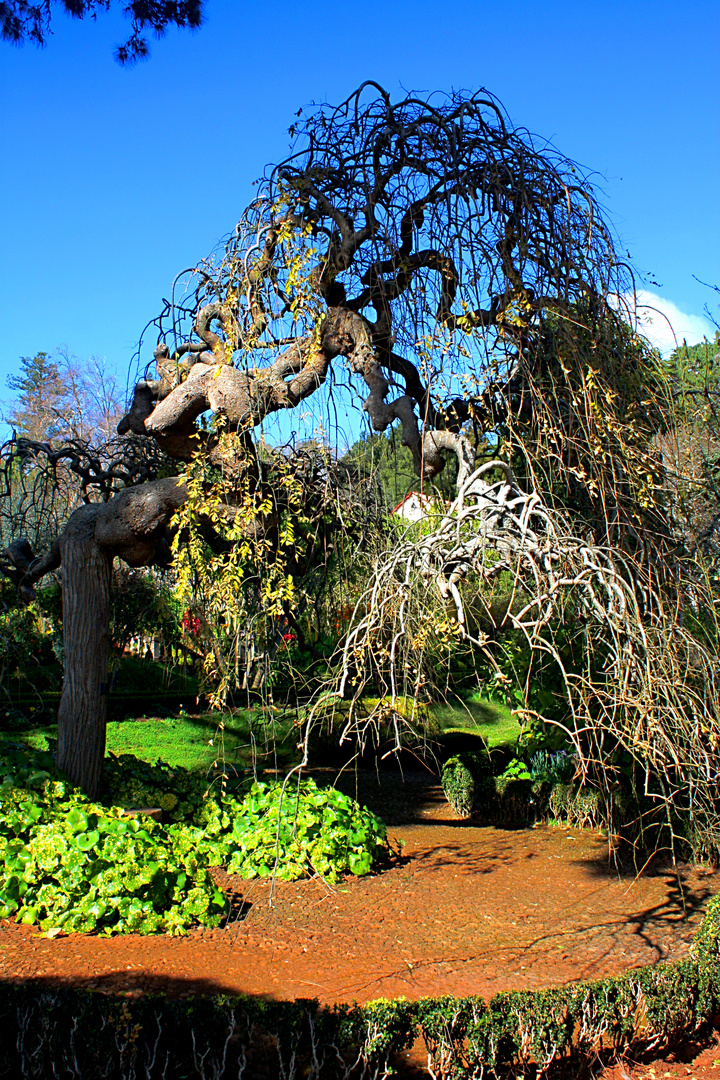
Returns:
(465, 910)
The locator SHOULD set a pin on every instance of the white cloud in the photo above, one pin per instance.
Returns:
(665, 325)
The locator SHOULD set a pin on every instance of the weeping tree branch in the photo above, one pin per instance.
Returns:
(429, 241)
(657, 694)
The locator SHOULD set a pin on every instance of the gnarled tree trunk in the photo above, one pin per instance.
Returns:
(132, 525)
(86, 616)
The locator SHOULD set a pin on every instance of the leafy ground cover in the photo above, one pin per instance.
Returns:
(469, 911)
(67, 863)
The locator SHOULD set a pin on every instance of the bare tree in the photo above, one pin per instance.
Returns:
(61, 398)
(458, 272)
(64, 417)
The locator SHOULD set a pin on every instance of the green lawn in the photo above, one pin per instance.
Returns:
(494, 723)
(185, 740)
(268, 735)
(196, 742)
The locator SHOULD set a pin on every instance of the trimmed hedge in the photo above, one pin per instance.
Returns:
(517, 798)
(86, 1035)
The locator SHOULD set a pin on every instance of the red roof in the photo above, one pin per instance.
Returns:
(421, 496)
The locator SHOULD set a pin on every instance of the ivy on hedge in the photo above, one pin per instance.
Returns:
(89, 1034)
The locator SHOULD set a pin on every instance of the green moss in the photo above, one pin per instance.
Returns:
(406, 707)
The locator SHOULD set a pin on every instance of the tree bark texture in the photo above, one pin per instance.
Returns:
(133, 526)
(86, 615)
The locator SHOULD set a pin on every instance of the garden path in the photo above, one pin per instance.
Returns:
(465, 910)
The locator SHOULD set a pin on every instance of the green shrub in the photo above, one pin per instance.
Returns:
(556, 768)
(464, 777)
(458, 784)
(522, 792)
(70, 864)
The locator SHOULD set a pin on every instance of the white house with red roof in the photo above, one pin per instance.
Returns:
(417, 505)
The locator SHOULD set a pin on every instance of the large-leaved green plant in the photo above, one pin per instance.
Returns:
(68, 864)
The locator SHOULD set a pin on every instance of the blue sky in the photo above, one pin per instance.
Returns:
(115, 179)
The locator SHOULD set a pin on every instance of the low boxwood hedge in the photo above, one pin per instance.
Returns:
(63, 1032)
(68, 1032)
